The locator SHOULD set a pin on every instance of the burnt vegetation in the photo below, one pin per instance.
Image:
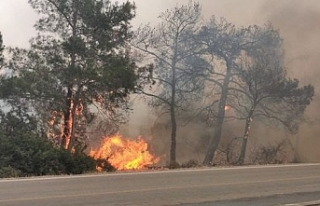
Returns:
(86, 63)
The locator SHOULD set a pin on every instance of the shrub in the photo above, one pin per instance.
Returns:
(6, 172)
(190, 163)
(30, 155)
(270, 154)
(76, 163)
(25, 152)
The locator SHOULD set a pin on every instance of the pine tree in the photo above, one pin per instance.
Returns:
(80, 58)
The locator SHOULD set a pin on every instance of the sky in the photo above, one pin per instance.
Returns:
(17, 17)
(297, 20)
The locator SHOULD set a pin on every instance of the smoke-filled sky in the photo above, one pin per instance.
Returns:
(296, 16)
(297, 20)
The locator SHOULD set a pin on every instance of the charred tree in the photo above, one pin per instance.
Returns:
(171, 45)
(215, 140)
(224, 43)
(245, 137)
(262, 90)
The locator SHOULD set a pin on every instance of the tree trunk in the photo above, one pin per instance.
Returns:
(243, 150)
(68, 119)
(215, 140)
(173, 146)
(245, 138)
(173, 139)
(296, 148)
(76, 103)
(70, 113)
(173, 120)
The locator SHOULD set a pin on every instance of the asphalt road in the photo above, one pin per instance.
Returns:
(208, 186)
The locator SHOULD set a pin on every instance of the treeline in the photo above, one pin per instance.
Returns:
(210, 72)
(77, 76)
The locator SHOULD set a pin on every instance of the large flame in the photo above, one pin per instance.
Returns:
(125, 154)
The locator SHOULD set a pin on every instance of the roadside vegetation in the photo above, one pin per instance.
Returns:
(76, 79)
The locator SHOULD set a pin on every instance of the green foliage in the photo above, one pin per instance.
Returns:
(28, 154)
(24, 152)
(8, 171)
(76, 163)
(82, 58)
(81, 47)
(93, 34)
(35, 156)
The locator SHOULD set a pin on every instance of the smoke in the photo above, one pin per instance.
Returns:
(17, 20)
(298, 24)
(300, 28)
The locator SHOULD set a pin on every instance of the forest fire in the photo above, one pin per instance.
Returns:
(125, 154)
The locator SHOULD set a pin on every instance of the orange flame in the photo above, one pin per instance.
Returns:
(125, 154)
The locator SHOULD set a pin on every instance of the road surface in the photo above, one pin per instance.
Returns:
(207, 186)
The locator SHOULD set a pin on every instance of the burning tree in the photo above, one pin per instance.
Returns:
(79, 59)
(175, 56)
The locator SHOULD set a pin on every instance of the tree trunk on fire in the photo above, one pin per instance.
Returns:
(76, 104)
(71, 104)
(68, 119)
(72, 47)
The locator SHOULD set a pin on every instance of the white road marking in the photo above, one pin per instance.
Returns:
(314, 203)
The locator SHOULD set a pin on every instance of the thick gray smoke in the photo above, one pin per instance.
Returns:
(298, 24)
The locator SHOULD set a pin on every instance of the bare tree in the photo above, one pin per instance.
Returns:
(171, 48)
